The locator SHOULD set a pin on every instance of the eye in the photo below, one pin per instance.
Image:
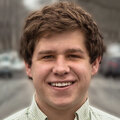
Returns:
(74, 56)
(48, 57)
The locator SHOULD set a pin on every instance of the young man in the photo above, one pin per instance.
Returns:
(62, 48)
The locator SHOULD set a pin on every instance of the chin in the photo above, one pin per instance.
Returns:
(63, 104)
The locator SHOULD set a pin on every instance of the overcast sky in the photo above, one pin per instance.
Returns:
(35, 4)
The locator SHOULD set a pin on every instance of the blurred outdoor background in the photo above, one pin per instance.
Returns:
(16, 90)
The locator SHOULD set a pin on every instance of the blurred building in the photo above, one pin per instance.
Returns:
(106, 14)
(13, 13)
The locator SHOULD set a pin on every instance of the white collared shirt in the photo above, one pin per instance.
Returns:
(85, 112)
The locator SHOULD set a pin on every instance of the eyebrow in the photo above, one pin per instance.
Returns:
(46, 52)
(72, 50)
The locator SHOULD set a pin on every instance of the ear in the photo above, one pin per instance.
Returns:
(28, 69)
(95, 65)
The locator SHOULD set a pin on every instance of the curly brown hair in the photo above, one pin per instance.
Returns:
(57, 18)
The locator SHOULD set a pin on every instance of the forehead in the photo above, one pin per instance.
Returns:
(62, 41)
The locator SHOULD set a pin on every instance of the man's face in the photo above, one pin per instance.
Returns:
(61, 71)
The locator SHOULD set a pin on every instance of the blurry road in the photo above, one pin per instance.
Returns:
(105, 94)
(17, 93)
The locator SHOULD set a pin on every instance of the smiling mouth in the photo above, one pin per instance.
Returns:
(61, 84)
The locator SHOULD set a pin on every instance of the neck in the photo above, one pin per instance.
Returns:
(60, 115)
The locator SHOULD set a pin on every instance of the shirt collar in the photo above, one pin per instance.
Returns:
(36, 112)
(83, 112)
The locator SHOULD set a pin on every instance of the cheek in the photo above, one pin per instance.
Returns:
(83, 69)
(84, 79)
(40, 72)
(83, 73)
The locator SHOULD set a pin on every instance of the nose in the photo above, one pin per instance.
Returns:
(61, 67)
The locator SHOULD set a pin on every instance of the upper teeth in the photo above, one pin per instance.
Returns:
(61, 84)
